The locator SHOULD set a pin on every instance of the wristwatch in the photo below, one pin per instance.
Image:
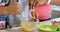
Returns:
(49, 1)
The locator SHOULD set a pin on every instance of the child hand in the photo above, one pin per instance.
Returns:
(34, 14)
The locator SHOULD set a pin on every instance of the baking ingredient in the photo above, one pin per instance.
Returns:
(28, 27)
(47, 28)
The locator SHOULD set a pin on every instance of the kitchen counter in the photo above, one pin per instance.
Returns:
(19, 29)
(14, 29)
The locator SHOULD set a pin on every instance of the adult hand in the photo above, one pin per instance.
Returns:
(19, 9)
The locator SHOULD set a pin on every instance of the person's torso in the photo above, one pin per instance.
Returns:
(44, 11)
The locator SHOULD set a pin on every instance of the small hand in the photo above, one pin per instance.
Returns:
(34, 14)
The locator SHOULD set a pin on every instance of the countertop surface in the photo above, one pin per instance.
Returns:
(19, 29)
